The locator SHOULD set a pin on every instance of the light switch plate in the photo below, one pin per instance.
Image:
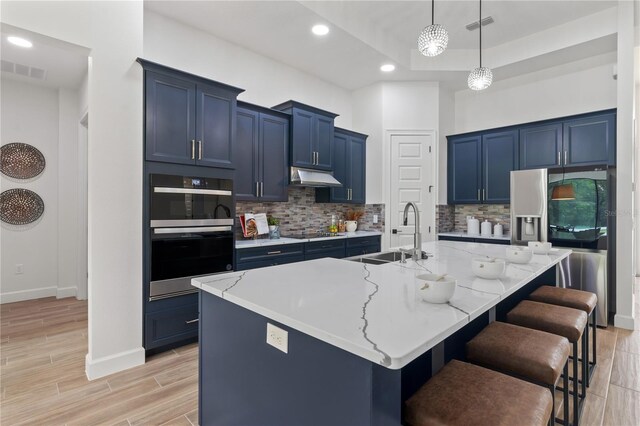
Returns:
(375, 218)
(278, 338)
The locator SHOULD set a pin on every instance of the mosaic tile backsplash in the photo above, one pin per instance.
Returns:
(302, 213)
(454, 218)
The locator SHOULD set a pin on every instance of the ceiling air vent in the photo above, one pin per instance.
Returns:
(474, 25)
(23, 70)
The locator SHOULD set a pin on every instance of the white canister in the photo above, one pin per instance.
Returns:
(485, 229)
(473, 226)
(497, 230)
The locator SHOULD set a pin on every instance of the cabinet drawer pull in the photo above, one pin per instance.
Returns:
(199, 150)
(192, 321)
(274, 252)
(193, 149)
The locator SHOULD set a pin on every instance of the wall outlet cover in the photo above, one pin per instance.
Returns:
(278, 338)
(375, 218)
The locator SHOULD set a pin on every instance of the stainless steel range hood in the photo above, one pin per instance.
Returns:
(312, 178)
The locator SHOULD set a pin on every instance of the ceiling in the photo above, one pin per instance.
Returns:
(526, 35)
(49, 63)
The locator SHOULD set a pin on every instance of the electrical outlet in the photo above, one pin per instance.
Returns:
(375, 218)
(19, 269)
(278, 338)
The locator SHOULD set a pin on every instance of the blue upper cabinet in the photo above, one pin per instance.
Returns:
(312, 132)
(349, 168)
(540, 146)
(590, 140)
(188, 119)
(262, 143)
(499, 158)
(463, 183)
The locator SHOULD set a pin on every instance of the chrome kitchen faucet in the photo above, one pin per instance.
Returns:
(416, 253)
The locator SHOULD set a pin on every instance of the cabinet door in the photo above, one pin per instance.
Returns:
(170, 119)
(247, 161)
(357, 162)
(340, 168)
(590, 140)
(499, 158)
(463, 183)
(303, 135)
(540, 146)
(323, 142)
(215, 126)
(274, 141)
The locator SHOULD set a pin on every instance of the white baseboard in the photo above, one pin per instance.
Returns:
(36, 293)
(66, 292)
(113, 363)
(623, 321)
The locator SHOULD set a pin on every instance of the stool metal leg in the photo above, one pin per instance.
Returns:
(585, 356)
(595, 326)
(575, 384)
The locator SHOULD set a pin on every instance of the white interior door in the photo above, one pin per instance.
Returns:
(412, 180)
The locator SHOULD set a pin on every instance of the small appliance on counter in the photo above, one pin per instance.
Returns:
(473, 226)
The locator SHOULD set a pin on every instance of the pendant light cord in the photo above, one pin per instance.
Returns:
(480, 28)
(432, 10)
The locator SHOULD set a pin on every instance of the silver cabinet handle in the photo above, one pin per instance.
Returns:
(559, 161)
(274, 252)
(193, 149)
(350, 194)
(565, 158)
(483, 195)
(317, 158)
(479, 195)
(199, 150)
(192, 321)
(257, 189)
(262, 189)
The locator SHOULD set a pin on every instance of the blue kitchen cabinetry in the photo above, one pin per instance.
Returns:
(171, 321)
(349, 168)
(325, 248)
(262, 147)
(312, 131)
(259, 257)
(480, 165)
(188, 119)
(474, 240)
(584, 140)
(363, 245)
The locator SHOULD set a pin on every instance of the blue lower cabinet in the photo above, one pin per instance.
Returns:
(260, 257)
(171, 326)
(271, 261)
(474, 240)
(320, 249)
(364, 245)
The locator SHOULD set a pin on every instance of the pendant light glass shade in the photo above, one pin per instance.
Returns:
(433, 39)
(481, 77)
(563, 192)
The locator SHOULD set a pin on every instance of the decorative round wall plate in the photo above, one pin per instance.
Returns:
(20, 206)
(21, 160)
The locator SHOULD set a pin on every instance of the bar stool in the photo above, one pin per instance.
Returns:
(463, 394)
(576, 299)
(528, 354)
(566, 322)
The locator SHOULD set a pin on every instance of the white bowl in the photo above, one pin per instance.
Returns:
(539, 247)
(433, 291)
(516, 254)
(487, 268)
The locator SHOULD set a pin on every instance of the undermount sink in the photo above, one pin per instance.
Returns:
(378, 258)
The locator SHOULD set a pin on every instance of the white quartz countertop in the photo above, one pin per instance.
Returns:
(261, 242)
(464, 234)
(375, 311)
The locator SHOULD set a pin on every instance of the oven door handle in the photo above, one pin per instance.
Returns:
(191, 230)
(168, 190)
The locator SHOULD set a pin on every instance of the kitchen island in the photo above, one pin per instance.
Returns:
(359, 338)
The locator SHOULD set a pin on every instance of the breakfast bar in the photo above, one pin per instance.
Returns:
(352, 340)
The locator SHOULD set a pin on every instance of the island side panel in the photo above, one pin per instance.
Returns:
(244, 381)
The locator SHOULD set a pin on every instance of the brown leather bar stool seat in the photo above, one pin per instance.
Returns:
(466, 394)
(577, 299)
(529, 354)
(566, 322)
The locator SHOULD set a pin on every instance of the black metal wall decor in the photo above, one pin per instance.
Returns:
(21, 160)
(19, 206)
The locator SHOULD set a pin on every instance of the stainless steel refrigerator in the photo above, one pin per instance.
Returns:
(577, 216)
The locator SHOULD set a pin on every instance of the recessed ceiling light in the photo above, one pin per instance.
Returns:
(387, 67)
(320, 29)
(19, 41)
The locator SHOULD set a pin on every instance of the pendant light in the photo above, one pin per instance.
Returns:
(433, 39)
(481, 77)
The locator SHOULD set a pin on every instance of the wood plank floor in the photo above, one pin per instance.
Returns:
(43, 344)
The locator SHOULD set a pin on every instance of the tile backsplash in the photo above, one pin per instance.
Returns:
(302, 213)
(454, 218)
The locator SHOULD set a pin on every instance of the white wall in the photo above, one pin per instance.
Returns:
(113, 33)
(446, 127)
(266, 81)
(536, 96)
(30, 115)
